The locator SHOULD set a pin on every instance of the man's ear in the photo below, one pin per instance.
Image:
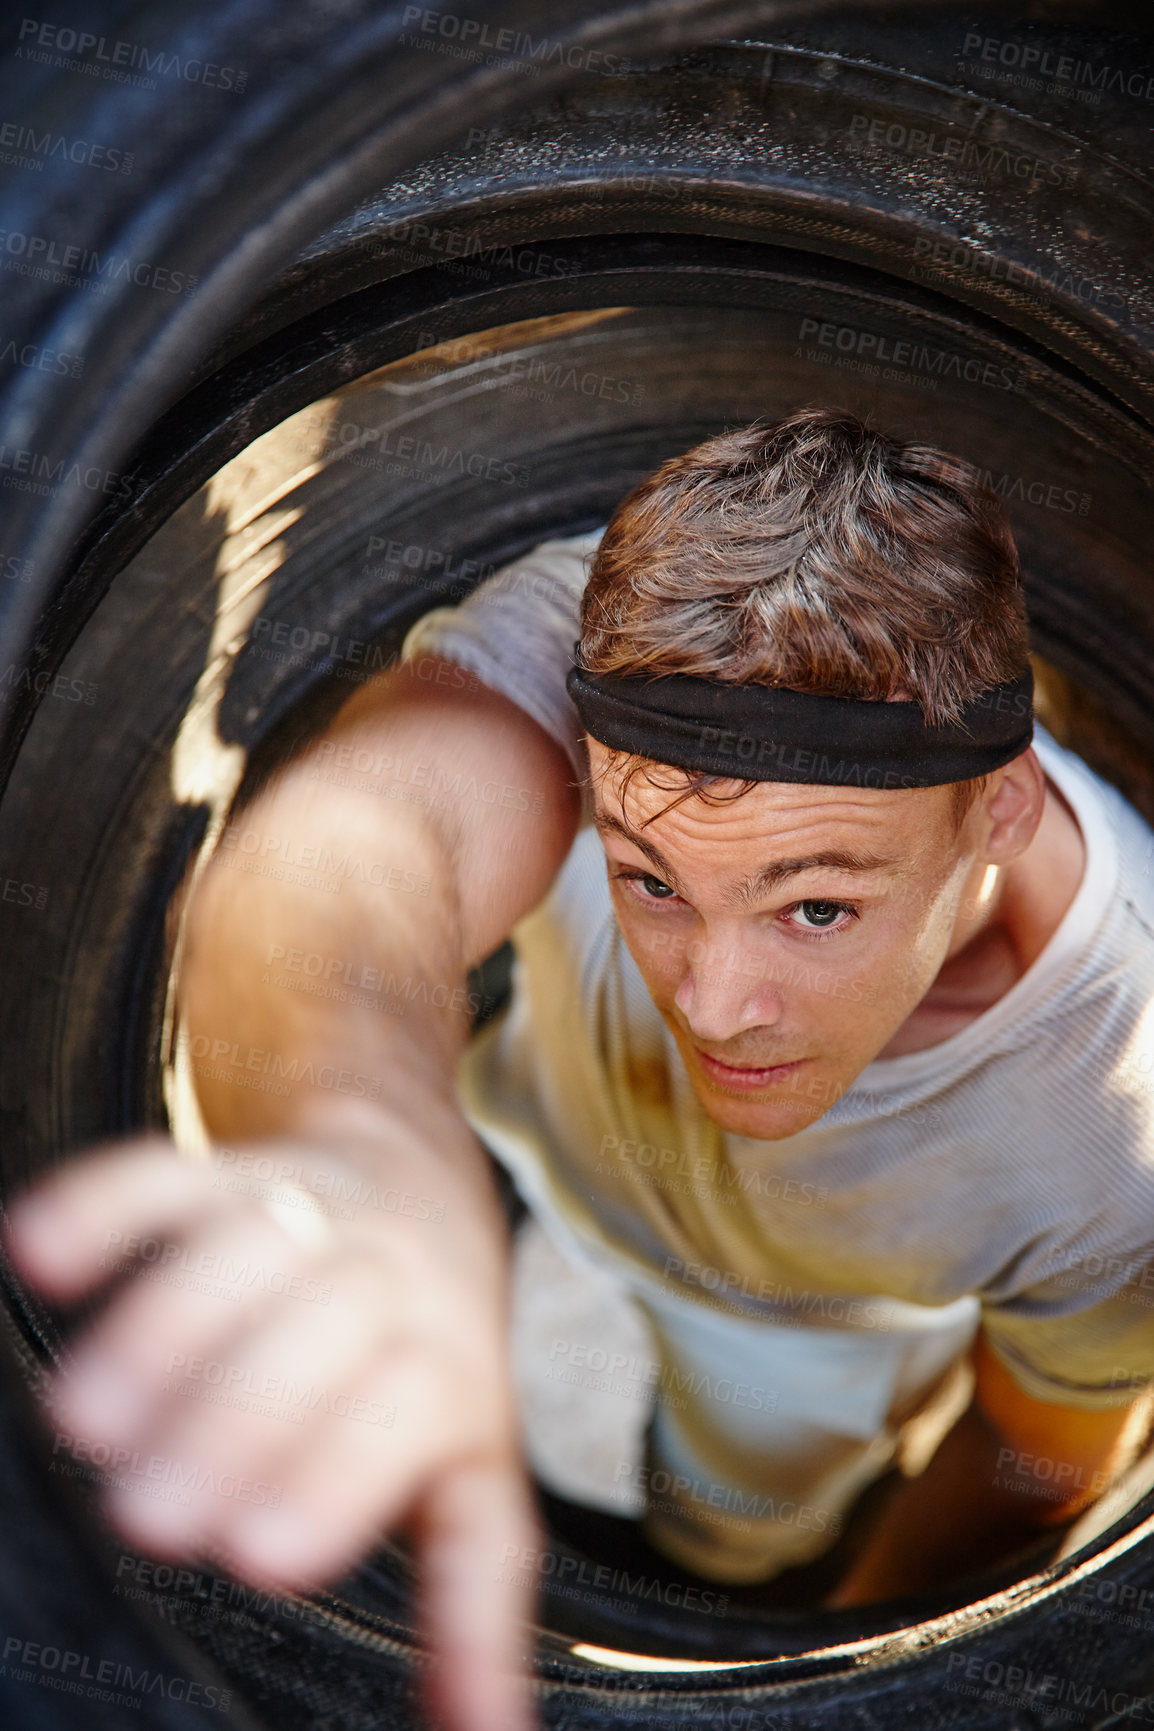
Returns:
(1013, 807)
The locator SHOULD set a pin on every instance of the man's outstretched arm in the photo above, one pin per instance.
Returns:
(392, 1304)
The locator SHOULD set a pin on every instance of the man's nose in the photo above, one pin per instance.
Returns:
(720, 996)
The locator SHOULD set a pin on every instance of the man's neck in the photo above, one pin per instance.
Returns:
(1006, 937)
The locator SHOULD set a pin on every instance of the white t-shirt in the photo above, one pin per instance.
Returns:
(1013, 1161)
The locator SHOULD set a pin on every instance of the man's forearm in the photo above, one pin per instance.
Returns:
(310, 1014)
(957, 1516)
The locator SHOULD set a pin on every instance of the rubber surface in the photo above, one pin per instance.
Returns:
(468, 352)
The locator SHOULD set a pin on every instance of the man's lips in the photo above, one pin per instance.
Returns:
(747, 1075)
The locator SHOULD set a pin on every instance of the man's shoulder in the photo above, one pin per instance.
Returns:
(515, 633)
(1117, 892)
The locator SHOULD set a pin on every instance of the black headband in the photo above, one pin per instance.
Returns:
(767, 733)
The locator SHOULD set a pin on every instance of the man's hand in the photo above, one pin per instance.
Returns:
(316, 1380)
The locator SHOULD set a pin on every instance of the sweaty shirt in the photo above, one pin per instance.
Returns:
(1013, 1161)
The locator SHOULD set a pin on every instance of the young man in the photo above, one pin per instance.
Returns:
(866, 986)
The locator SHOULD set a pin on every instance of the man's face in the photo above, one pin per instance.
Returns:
(785, 936)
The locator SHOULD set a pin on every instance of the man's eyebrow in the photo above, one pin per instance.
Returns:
(605, 820)
(763, 881)
(829, 859)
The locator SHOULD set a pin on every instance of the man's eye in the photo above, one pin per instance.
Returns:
(820, 914)
(655, 888)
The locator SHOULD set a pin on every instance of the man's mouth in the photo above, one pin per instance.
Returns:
(747, 1076)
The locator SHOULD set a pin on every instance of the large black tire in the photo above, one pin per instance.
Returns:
(650, 251)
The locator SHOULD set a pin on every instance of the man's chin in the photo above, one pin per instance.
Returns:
(769, 1116)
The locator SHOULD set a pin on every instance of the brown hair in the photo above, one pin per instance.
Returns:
(818, 554)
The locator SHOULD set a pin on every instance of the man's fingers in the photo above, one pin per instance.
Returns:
(479, 1544)
(394, 1374)
(77, 1227)
(245, 1410)
(173, 1311)
(349, 1479)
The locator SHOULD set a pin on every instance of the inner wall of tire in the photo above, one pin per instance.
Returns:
(689, 339)
(349, 555)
